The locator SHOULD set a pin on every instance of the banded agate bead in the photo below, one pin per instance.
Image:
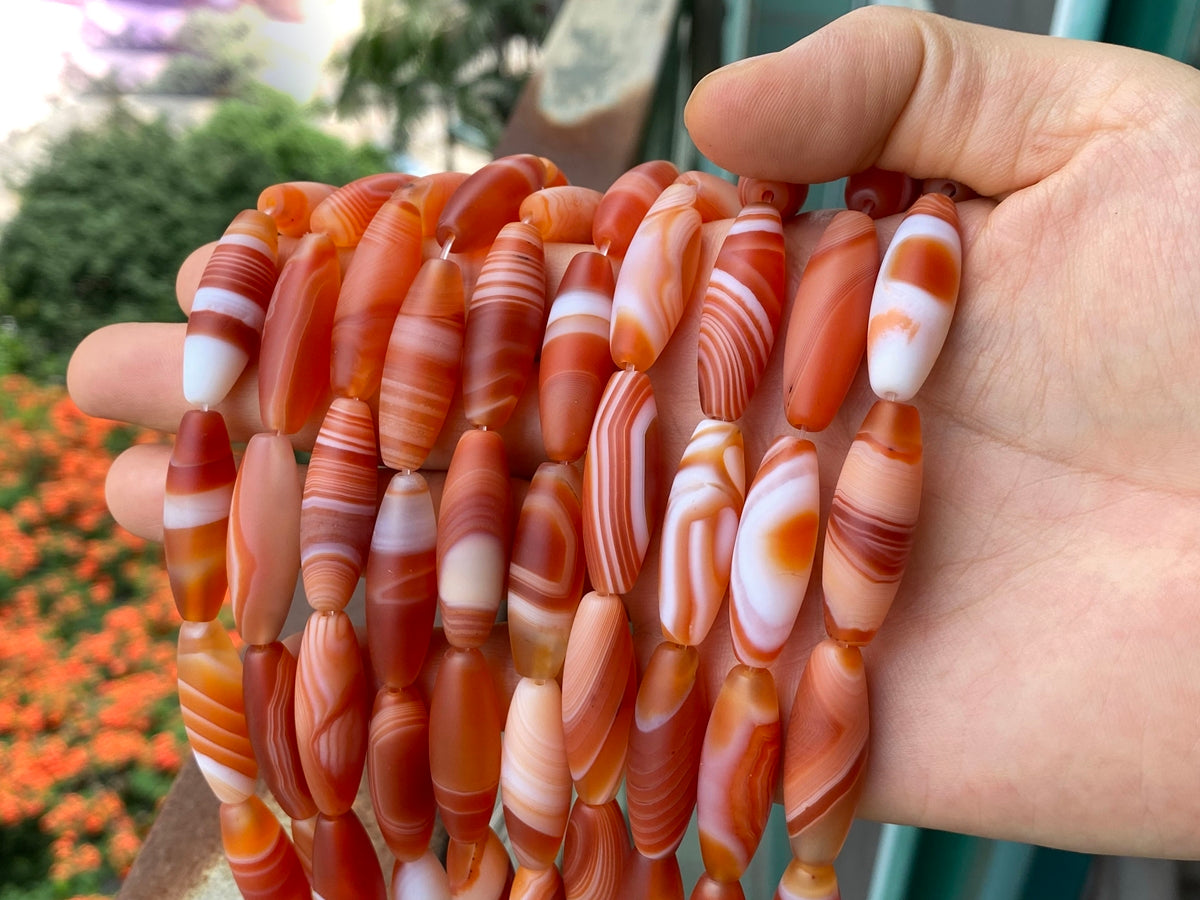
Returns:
(914, 298)
(488, 199)
(269, 695)
(594, 851)
(740, 313)
(738, 765)
(773, 552)
(429, 194)
(827, 331)
(263, 861)
(199, 490)
(291, 203)
(783, 195)
(538, 884)
(210, 698)
(651, 879)
(801, 882)
(562, 215)
(504, 325)
(699, 528)
(555, 177)
(228, 310)
(664, 750)
(478, 870)
(464, 744)
(709, 888)
(716, 198)
(626, 203)
(303, 832)
(420, 879)
(656, 279)
(345, 214)
(345, 866)
(575, 362)
(880, 192)
(871, 522)
(825, 755)
(398, 772)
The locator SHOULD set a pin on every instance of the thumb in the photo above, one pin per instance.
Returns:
(926, 95)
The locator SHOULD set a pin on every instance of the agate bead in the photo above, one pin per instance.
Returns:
(263, 861)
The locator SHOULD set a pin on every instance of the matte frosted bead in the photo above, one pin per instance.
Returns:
(914, 298)
(827, 331)
(825, 755)
(598, 702)
(504, 325)
(563, 214)
(337, 513)
(291, 203)
(738, 765)
(620, 482)
(420, 879)
(332, 705)
(478, 870)
(709, 888)
(489, 199)
(740, 314)
(594, 851)
(421, 369)
(429, 194)
(555, 177)
(651, 879)
(955, 190)
(474, 536)
(626, 203)
(263, 861)
(303, 832)
(210, 698)
(773, 553)
(656, 279)
(401, 581)
(398, 772)
(880, 192)
(801, 882)
(535, 783)
(871, 522)
(228, 310)
(345, 866)
(575, 363)
(345, 214)
(716, 198)
(698, 531)
(464, 744)
(199, 489)
(384, 267)
(269, 694)
(664, 750)
(545, 577)
(293, 370)
(263, 546)
(783, 195)
(538, 884)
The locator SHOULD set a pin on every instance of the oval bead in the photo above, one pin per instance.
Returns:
(626, 203)
(401, 581)
(429, 194)
(914, 298)
(740, 314)
(594, 851)
(345, 214)
(303, 831)
(504, 325)
(656, 279)
(535, 783)
(555, 177)
(825, 756)
(420, 879)
(664, 750)
(709, 888)
(291, 203)
(698, 531)
(716, 198)
(801, 882)
(597, 703)
(474, 537)
(210, 699)
(738, 765)
(337, 512)
(783, 195)
(479, 870)
(545, 577)
(955, 190)
(870, 532)
(563, 214)
(269, 695)
(651, 879)
(489, 199)
(575, 363)
(421, 369)
(398, 772)
(227, 314)
(464, 744)
(262, 859)
(773, 552)
(827, 331)
(332, 706)
(199, 490)
(880, 192)
(345, 866)
(293, 370)
(376, 283)
(620, 482)
(537, 884)
(263, 546)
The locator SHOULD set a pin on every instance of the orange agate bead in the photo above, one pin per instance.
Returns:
(563, 214)
(345, 866)
(784, 196)
(429, 194)
(594, 850)
(651, 879)
(291, 203)
(880, 192)
(709, 888)
(263, 861)
(626, 202)
(716, 198)
(345, 214)
(538, 884)
(801, 882)
(398, 772)
(488, 199)
(479, 870)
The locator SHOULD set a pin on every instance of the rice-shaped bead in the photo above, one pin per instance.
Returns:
(345, 865)
(478, 868)
(262, 859)
(537, 884)
(290, 204)
(345, 214)
(562, 215)
(555, 177)
(653, 879)
(716, 198)
(423, 878)
(783, 195)
(398, 772)
(487, 200)
(709, 888)
(269, 695)
(594, 850)
(801, 882)
(429, 194)
(303, 832)
(880, 192)
(626, 203)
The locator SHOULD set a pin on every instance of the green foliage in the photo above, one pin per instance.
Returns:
(106, 220)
